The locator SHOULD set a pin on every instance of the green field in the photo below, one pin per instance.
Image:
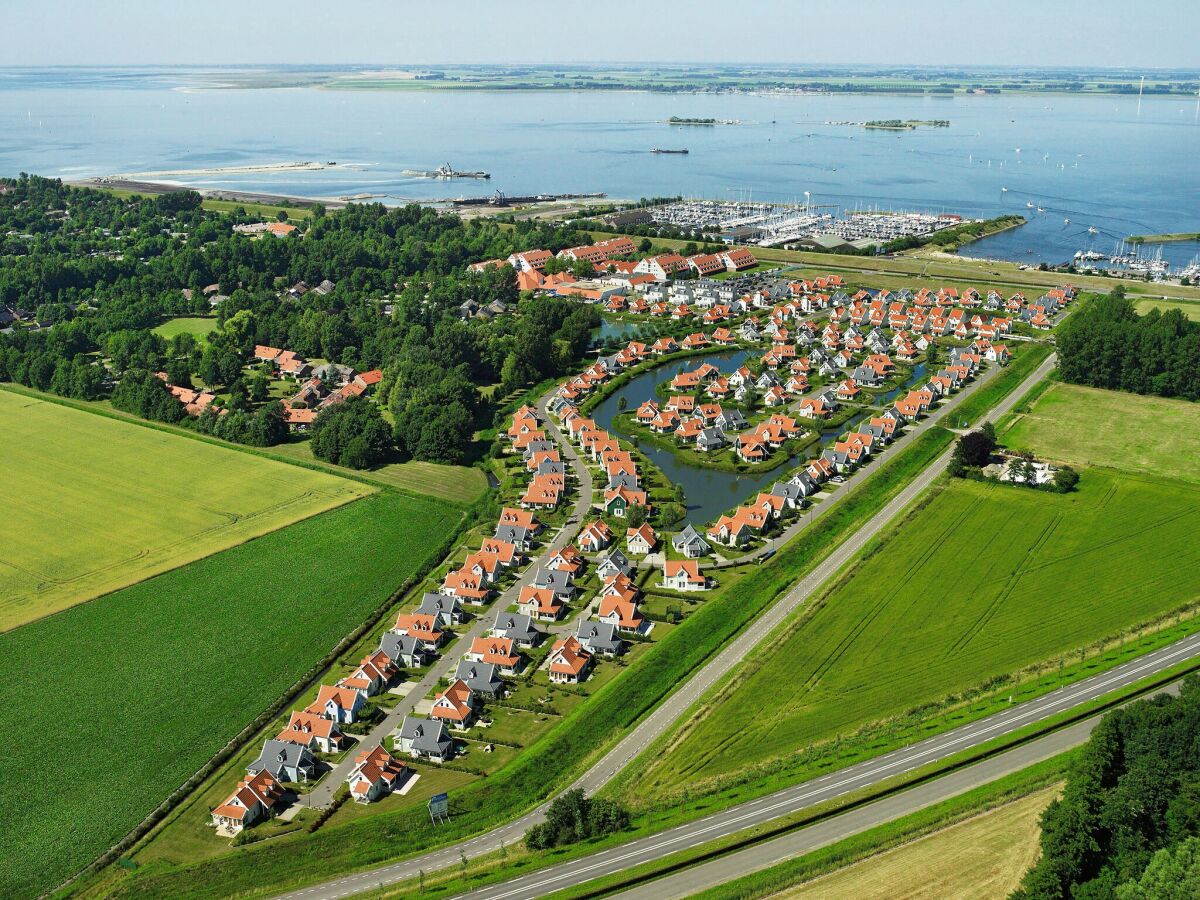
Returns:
(124, 698)
(1091, 426)
(981, 582)
(92, 504)
(198, 326)
(1190, 309)
(458, 484)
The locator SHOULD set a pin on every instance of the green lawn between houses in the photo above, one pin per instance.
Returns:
(1091, 426)
(118, 701)
(982, 581)
(93, 504)
(197, 326)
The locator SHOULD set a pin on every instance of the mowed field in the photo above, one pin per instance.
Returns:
(1091, 426)
(197, 326)
(983, 581)
(92, 504)
(115, 703)
(984, 856)
(1191, 309)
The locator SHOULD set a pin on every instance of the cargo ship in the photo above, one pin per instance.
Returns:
(660, 150)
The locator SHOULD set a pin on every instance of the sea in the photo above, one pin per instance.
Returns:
(1099, 167)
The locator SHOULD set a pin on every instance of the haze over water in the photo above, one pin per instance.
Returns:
(1093, 159)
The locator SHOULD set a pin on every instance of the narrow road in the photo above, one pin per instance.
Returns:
(667, 713)
(322, 794)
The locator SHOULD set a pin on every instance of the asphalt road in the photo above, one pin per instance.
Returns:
(854, 778)
(679, 702)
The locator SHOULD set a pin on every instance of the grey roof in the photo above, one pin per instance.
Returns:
(688, 536)
(616, 559)
(711, 436)
(599, 637)
(399, 647)
(479, 677)
(550, 467)
(426, 735)
(536, 447)
(439, 605)
(731, 420)
(559, 582)
(787, 490)
(622, 479)
(278, 755)
(512, 534)
(517, 626)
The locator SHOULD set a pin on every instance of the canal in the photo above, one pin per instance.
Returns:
(708, 492)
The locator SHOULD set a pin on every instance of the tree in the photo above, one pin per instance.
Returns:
(281, 216)
(572, 817)
(974, 449)
(260, 387)
(351, 434)
(1065, 479)
(1173, 874)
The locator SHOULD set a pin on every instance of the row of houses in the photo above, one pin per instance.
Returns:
(330, 384)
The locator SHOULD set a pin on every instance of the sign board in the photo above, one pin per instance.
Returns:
(439, 808)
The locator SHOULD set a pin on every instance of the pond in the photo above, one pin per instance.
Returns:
(616, 329)
(708, 492)
(916, 378)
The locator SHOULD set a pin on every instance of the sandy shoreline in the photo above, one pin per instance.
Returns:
(263, 169)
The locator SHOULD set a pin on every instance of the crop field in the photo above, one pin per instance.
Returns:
(984, 856)
(124, 698)
(982, 581)
(197, 326)
(1091, 426)
(93, 504)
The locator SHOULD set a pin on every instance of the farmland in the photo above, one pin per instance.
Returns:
(1191, 309)
(984, 856)
(93, 504)
(982, 581)
(1090, 426)
(135, 691)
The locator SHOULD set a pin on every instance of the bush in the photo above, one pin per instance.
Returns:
(573, 817)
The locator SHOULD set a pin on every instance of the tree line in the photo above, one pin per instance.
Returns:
(1127, 822)
(1106, 344)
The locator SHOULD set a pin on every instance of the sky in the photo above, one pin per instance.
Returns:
(1119, 33)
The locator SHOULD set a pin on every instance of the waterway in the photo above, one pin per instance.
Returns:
(1106, 162)
(708, 492)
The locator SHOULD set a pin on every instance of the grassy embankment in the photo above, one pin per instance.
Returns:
(140, 688)
(93, 505)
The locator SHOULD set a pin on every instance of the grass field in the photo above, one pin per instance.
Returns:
(124, 698)
(982, 581)
(458, 484)
(1090, 426)
(984, 856)
(199, 326)
(1191, 309)
(92, 504)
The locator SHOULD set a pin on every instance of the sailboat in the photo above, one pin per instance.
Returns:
(1028, 205)
(1066, 221)
(1092, 229)
(1041, 209)
(1004, 190)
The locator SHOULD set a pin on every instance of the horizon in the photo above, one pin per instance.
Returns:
(225, 32)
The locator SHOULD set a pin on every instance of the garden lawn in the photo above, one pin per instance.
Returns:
(93, 504)
(197, 326)
(1092, 426)
(122, 699)
(982, 581)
